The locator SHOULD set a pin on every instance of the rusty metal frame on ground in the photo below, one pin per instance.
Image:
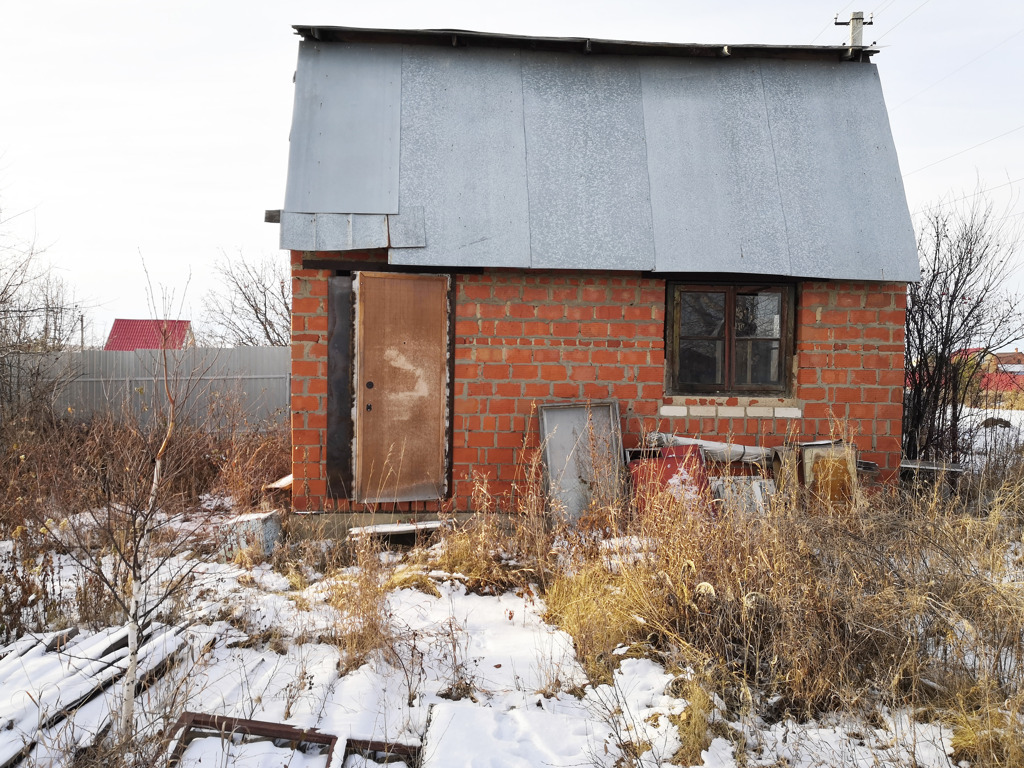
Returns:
(410, 754)
(227, 726)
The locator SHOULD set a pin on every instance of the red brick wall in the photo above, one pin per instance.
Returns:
(525, 338)
(309, 384)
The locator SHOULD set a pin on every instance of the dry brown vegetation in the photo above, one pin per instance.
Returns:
(52, 470)
(909, 599)
(896, 599)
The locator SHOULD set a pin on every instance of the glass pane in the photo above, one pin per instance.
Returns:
(701, 314)
(701, 362)
(757, 362)
(758, 314)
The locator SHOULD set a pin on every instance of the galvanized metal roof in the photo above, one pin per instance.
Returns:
(507, 151)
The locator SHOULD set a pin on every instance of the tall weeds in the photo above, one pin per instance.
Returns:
(893, 599)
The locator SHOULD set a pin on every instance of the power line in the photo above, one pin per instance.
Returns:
(831, 24)
(922, 5)
(884, 8)
(944, 203)
(957, 154)
(962, 66)
(1009, 216)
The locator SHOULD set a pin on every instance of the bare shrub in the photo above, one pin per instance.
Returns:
(248, 458)
(892, 599)
(29, 597)
(957, 315)
(38, 316)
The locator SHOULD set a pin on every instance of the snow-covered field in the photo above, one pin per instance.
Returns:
(471, 680)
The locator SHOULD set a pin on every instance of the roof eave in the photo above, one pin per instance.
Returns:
(460, 38)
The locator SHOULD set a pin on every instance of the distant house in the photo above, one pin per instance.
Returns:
(714, 237)
(976, 359)
(1003, 385)
(129, 335)
(1010, 362)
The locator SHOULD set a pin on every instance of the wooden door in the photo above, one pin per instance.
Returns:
(401, 387)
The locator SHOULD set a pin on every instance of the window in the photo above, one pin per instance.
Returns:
(729, 339)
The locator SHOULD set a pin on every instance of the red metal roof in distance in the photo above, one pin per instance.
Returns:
(129, 335)
(1002, 382)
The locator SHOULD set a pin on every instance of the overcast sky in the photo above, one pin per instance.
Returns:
(158, 131)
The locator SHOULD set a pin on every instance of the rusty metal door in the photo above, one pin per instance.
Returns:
(401, 385)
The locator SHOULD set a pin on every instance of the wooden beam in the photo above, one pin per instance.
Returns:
(375, 266)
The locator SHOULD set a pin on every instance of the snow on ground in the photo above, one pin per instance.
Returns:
(472, 680)
(997, 439)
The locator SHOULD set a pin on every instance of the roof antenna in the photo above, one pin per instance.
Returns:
(856, 25)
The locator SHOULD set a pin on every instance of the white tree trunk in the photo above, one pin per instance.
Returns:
(127, 725)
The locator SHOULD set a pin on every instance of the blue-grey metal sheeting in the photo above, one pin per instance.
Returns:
(344, 148)
(464, 157)
(505, 156)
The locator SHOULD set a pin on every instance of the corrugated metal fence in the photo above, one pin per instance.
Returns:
(211, 386)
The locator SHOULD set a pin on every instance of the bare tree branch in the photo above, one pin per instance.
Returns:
(957, 315)
(252, 308)
(38, 314)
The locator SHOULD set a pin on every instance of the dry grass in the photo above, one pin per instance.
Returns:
(249, 459)
(405, 577)
(692, 723)
(360, 595)
(472, 553)
(893, 599)
(989, 733)
(29, 598)
(589, 606)
(502, 548)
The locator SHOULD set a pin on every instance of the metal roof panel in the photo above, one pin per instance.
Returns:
(344, 148)
(463, 157)
(838, 174)
(508, 156)
(586, 163)
(714, 188)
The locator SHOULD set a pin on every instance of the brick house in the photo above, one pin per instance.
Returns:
(716, 238)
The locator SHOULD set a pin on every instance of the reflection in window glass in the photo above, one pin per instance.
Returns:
(701, 362)
(729, 339)
(701, 314)
(757, 362)
(758, 315)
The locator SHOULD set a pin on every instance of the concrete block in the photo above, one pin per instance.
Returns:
(259, 531)
(788, 413)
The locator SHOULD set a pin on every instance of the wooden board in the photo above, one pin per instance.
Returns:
(338, 450)
(401, 387)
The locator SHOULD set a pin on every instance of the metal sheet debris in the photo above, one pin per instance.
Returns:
(583, 458)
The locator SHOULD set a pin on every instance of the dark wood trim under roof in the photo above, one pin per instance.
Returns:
(466, 38)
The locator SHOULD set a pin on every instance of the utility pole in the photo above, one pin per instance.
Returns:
(856, 25)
